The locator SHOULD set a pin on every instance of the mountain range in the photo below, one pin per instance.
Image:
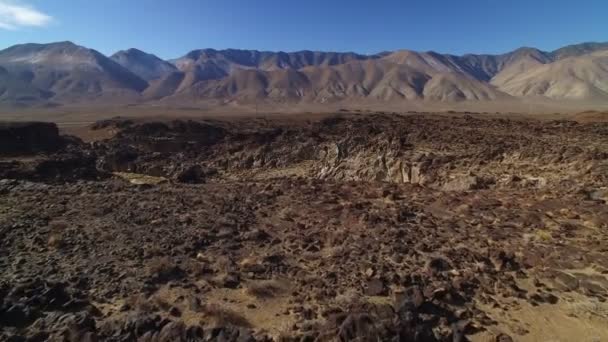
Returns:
(65, 73)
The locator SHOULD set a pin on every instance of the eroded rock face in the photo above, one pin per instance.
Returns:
(194, 174)
(455, 154)
(35, 151)
(174, 137)
(20, 138)
(61, 167)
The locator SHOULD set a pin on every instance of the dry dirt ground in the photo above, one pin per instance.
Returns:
(333, 228)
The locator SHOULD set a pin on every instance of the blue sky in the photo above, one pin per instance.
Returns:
(172, 28)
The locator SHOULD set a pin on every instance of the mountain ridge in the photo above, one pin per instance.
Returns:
(64, 72)
(67, 72)
(146, 66)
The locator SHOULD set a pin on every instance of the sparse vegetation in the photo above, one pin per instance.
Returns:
(57, 231)
(264, 289)
(543, 235)
(164, 269)
(219, 316)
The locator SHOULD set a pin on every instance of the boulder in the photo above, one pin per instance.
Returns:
(376, 287)
(463, 183)
(194, 174)
(565, 281)
(66, 167)
(467, 183)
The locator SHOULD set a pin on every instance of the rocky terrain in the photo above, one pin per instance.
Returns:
(350, 227)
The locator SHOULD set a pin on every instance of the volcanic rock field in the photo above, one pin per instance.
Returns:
(346, 227)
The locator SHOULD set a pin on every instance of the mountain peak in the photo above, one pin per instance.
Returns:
(68, 71)
(145, 65)
(65, 43)
(131, 52)
(526, 50)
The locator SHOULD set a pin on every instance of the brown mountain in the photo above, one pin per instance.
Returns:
(231, 59)
(577, 78)
(578, 50)
(67, 73)
(386, 79)
(15, 90)
(203, 66)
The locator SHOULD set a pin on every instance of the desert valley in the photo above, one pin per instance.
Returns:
(243, 195)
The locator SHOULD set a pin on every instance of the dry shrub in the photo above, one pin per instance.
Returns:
(349, 298)
(140, 303)
(264, 289)
(56, 234)
(56, 241)
(143, 304)
(197, 268)
(223, 316)
(161, 303)
(335, 238)
(58, 225)
(164, 269)
(152, 251)
(543, 235)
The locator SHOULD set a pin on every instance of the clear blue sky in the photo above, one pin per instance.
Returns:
(172, 28)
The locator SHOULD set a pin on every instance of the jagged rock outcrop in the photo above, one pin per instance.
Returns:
(17, 138)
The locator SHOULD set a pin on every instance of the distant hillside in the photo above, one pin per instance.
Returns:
(578, 50)
(229, 60)
(375, 79)
(576, 78)
(64, 73)
(67, 72)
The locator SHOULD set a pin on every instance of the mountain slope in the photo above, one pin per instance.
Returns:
(456, 87)
(486, 67)
(578, 50)
(67, 73)
(70, 72)
(144, 65)
(576, 78)
(231, 59)
(212, 65)
(14, 90)
(370, 79)
(519, 62)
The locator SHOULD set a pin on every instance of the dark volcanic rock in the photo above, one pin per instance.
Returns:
(116, 122)
(61, 167)
(68, 167)
(376, 287)
(296, 228)
(194, 174)
(176, 136)
(29, 138)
